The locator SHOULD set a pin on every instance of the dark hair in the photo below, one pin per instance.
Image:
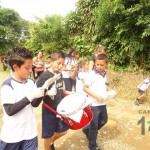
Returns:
(102, 57)
(69, 52)
(56, 55)
(99, 48)
(18, 56)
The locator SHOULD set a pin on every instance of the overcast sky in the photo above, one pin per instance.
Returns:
(28, 9)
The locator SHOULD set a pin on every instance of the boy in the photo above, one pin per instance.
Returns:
(142, 88)
(52, 126)
(19, 131)
(100, 49)
(95, 87)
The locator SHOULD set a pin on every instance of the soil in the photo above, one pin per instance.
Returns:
(122, 131)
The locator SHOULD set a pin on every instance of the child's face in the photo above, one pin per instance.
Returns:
(21, 73)
(100, 65)
(58, 65)
(86, 66)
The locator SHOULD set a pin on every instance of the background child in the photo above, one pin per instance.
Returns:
(19, 129)
(142, 88)
(82, 74)
(100, 49)
(95, 87)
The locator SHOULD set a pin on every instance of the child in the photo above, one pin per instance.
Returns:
(69, 67)
(82, 74)
(142, 88)
(48, 63)
(18, 93)
(95, 87)
(52, 127)
(100, 49)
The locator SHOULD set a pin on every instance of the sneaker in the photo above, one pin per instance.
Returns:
(52, 147)
(97, 148)
(138, 102)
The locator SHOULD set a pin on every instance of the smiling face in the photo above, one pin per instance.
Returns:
(22, 73)
(57, 65)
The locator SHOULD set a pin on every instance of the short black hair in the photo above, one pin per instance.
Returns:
(56, 55)
(18, 56)
(102, 57)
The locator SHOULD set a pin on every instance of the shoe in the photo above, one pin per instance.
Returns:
(52, 146)
(138, 102)
(97, 148)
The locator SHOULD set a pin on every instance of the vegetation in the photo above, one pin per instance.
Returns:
(122, 26)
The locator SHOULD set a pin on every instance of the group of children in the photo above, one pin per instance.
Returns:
(19, 131)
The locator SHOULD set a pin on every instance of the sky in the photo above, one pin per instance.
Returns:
(28, 9)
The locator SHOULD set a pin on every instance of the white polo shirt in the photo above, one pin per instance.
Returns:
(145, 84)
(82, 75)
(97, 84)
(68, 63)
(22, 125)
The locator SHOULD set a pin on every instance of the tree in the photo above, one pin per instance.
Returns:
(48, 34)
(11, 26)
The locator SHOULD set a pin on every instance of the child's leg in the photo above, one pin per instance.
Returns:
(93, 128)
(142, 94)
(47, 143)
(103, 117)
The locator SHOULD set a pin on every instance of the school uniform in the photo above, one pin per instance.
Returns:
(144, 86)
(82, 75)
(50, 122)
(96, 83)
(19, 127)
(69, 83)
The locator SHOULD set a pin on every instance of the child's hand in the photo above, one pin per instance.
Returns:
(99, 98)
(37, 93)
(50, 81)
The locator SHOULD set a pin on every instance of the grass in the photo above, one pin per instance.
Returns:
(126, 84)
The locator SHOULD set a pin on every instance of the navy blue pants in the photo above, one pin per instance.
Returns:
(99, 120)
(69, 84)
(22, 145)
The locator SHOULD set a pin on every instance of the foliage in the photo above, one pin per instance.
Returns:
(48, 34)
(122, 26)
(11, 26)
(125, 29)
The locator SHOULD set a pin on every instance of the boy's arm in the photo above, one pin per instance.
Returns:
(12, 109)
(91, 93)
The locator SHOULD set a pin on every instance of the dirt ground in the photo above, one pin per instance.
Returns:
(122, 132)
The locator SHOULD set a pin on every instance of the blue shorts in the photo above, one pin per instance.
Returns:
(141, 91)
(52, 124)
(22, 145)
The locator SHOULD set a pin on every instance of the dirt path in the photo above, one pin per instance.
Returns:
(122, 131)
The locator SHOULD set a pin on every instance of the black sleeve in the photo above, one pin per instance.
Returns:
(36, 102)
(12, 109)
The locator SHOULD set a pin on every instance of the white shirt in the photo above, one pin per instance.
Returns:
(79, 80)
(97, 84)
(145, 85)
(69, 62)
(22, 125)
